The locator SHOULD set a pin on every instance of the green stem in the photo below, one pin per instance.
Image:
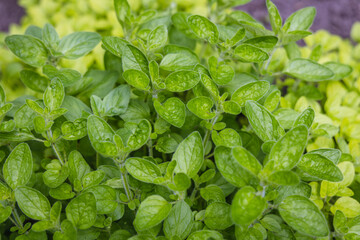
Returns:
(150, 147)
(124, 175)
(53, 145)
(17, 218)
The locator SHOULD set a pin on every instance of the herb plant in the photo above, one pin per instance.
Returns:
(181, 137)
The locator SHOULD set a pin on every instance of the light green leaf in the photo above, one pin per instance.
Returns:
(212, 193)
(105, 198)
(137, 79)
(304, 216)
(32, 203)
(101, 136)
(189, 155)
(250, 91)
(173, 111)
(181, 81)
(140, 134)
(93, 178)
(232, 170)
(220, 72)
(67, 76)
(300, 20)
(249, 53)
(78, 44)
(308, 70)
(29, 49)
(201, 107)
(287, 151)
(179, 61)
(246, 206)
(284, 178)
(114, 45)
(152, 211)
(246, 159)
(318, 166)
(122, 10)
(266, 43)
(227, 137)
(217, 216)
(263, 122)
(179, 221)
(18, 167)
(231, 107)
(133, 58)
(157, 37)
(78, 167)
(81, 211)
(74, 130)
(117, 101)
(306, 117)
(205, 234)
(62, 192)
(349, 206)
(50, 38)
(142, 169)
(203, 28)
(33, 80)
(5, 213)
(340, 70)
(275, 18)
(54, 95)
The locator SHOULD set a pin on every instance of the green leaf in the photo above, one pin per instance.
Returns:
(227, 137)
(201, 107)
(250, 91)
(32, 203)
(133, 58)
(318, 166)
(122, 10)
(294, 36)
(62, 192)
(50, 38)
(246, 206)
(101, 136)
(205, 234)
(117, 101)
(287, 151)
(33, 80)
(157, 37)
(5, 213)
(93, 178)
(263, 122)
(81, 211)
(217, 216)
(246, 159)
(55, 174)
(74, 130)
(78, 44)
(340, 70)
(233, 171)
(203, 28)
(250, 53)
(349, 206)
(173, 111)
(308, 70)
(300, 20)
(220, 72)
(142, 169)
(212, 193)
(140, 134)
(137, 79)
(67, 76)
(275, 18)
(266, 43)
(306, 117)
(115, 45)
(54, 95)
(105, 198)
(181, 81)
(29, 49)
(284, 178)
(152, 211)
(179, 61)
(18, 167)
(304, 216)
(179, 221)
(189, 155)
(231, 107)
(5, 191)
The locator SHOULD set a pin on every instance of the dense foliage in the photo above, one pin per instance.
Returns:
(185, 134)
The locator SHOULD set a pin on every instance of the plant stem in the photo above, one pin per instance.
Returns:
(119, 162)
(57, 153)
(17, 218)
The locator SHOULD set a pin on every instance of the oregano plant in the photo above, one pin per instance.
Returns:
(181, 136)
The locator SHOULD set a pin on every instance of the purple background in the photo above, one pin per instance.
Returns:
(337, 16)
